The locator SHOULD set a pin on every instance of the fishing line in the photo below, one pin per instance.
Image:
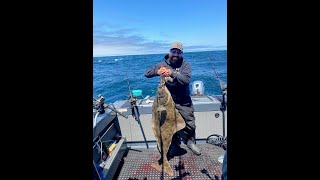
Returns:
(214, 70)
(128, 84)
(221, 84)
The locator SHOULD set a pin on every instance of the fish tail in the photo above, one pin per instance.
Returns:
(166, 167)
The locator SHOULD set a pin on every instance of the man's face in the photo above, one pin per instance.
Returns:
(175, 54)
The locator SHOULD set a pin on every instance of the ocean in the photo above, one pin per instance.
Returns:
(113, 75)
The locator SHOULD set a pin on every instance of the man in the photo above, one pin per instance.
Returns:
(177, 73)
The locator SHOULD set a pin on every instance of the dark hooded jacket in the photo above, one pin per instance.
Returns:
(181, 75)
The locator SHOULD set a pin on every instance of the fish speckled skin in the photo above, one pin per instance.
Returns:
(166, 120)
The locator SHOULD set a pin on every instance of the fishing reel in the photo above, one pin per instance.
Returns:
(98, 104)
(223, 88)
(133, 100)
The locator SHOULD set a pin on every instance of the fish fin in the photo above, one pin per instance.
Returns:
(179, 121)
(156, 133)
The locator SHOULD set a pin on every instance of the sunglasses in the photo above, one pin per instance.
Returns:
(173, 51)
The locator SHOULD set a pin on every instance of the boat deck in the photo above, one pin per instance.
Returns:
(136, 164)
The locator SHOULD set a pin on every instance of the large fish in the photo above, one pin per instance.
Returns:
(166, 121)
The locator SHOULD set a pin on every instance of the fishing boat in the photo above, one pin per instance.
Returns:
(124, 145)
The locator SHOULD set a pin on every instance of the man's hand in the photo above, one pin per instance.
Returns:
(164, 72)
(168, 72)
(161, 71)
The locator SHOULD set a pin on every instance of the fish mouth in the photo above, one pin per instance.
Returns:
(161, 85)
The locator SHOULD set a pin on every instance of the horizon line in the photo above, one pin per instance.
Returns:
(158, 53)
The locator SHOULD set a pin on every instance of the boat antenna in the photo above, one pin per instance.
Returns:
(135, 110)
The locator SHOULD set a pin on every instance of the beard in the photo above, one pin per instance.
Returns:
(175, 60)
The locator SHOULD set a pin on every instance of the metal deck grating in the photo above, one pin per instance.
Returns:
(137, 164)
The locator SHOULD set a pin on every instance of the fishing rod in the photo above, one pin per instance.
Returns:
(223, 88)
(222, 85)
(135, 110)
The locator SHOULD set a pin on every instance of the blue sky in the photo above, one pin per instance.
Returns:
(129, 27)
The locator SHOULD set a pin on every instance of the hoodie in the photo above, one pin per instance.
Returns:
(181, 75)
